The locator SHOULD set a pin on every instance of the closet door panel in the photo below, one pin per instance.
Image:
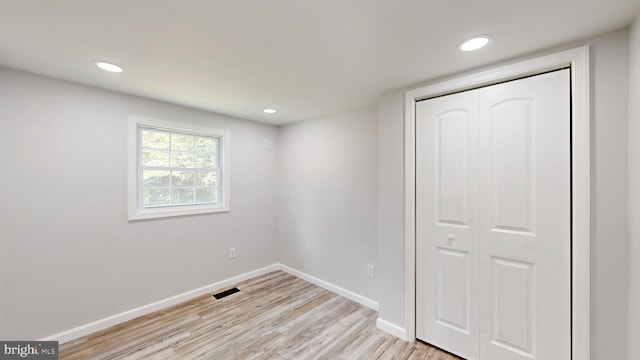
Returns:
(447, 299)
(525, 219)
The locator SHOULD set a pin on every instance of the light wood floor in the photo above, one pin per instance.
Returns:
(274, 316)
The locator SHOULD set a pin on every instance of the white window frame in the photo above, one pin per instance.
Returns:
(136, 211)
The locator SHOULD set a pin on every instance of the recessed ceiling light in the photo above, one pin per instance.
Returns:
(474, 43)
(270, 111)
(108, 66)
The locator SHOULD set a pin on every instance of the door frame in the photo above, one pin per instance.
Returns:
(578, 59)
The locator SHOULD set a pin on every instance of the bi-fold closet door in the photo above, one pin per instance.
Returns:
(493, 205)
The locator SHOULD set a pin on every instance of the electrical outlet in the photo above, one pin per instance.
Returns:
(371, 270)
(232, 253)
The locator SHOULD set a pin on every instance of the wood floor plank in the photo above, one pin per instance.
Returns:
(274, 316)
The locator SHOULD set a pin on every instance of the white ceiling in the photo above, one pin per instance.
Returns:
(305, 58)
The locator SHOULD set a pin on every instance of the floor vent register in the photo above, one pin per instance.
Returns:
(225, 293)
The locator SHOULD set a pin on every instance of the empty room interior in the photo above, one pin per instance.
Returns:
(321, 180)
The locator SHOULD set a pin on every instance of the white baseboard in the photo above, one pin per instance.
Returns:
(328, 286)
(116, 319)
(392, 329)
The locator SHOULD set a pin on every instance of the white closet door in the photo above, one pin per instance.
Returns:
(525, 219)
(493, 220)
(447, 253)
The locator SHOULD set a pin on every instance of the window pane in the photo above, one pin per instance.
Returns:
(205, 145)
(206, 195)
(155, 139)
(181, 159)
(182, 178)
(155, 157)
(205, 161)
(206, 179)
(155, 178)
(181, 142)
(178, 169)
(155, 197)
(182, 196)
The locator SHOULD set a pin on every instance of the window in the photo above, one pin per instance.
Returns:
(176, 169)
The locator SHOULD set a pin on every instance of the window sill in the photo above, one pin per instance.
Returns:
(145, 214)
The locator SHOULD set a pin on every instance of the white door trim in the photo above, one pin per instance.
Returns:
(578, 59)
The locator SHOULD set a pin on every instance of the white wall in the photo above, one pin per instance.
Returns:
(391, 208)
(328, 198)
(610, 234)
(634, 191)
(68, 254)
(609, 62)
